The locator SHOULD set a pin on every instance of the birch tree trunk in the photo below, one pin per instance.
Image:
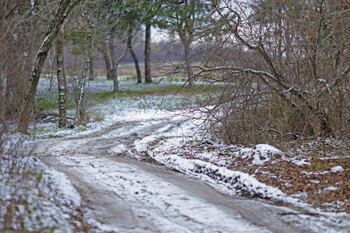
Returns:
(80, 115)
(133, 55)
(61, 79)
(148, 77)
(64, 8)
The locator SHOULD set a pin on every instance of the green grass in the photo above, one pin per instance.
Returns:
(50, 101)
(106, 95)
(47, 103)
(171, 89)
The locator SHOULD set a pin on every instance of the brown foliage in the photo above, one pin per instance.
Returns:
(288, 76)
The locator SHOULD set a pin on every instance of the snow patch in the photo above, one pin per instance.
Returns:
(38, 196)
(119, 149)
(337, 169)
(232, 179)
(331, 188)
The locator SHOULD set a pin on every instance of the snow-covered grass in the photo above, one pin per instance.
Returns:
(134, 102)
(34, 197)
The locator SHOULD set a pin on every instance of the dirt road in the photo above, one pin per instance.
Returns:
(127, 195)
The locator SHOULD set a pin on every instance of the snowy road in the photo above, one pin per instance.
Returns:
(126, 195)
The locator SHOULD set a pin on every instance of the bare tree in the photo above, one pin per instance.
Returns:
(16, 38)
(65, 6)
(289, 73)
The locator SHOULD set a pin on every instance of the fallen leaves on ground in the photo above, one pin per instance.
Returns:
(312, 180)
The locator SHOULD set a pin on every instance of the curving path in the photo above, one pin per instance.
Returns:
(127, 195)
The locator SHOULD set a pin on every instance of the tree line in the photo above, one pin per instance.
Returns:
(282, 66)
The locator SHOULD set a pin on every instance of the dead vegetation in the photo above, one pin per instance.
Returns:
(303, 171)
(283, 71)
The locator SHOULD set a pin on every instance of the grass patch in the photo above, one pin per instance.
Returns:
(106, 95)
(145, 90)
(171, 90)
(50, 101)
(80, 128)
(54, 136)
(47, 103)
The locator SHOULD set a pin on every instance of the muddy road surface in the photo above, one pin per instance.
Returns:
(129, 195)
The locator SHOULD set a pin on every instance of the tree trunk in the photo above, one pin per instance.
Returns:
(90, 61)
(91, 66)
(133, 55)
(326, 129)
(3, 105)
(115, 79)
(29, 98)
(187, 46)
(148, 77)
(107, 60)
(61, 80)
(80, 115)
(114, 64)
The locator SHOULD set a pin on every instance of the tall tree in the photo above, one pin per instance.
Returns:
(110, 25)
(152, 8)
(115, 61)
(61, 79)
(133, 55)
(107, 59)
(187, 19)
(148, 76)
(65, 6)
(18, 19)
(130, 21)
(80, 114)
(5, 127)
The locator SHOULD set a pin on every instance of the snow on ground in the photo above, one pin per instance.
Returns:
(56, 197)
(37, 198)
(123, 108)
(150, 109)
(168, 152)
(337, 169)
(160, 202)
(212, 169)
